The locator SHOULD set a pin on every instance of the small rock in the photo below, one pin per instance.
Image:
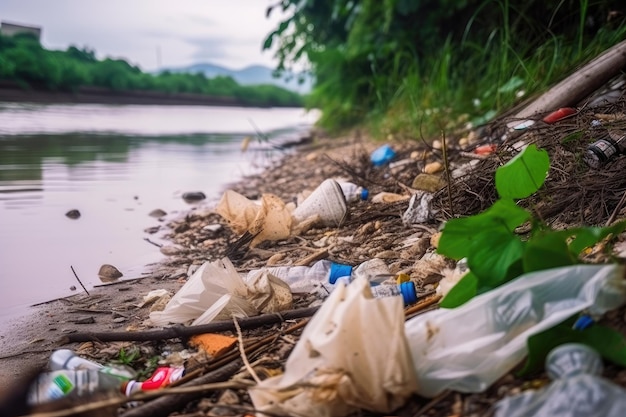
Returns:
(213, 227)
(109, 273)
(433, 167)
(84, 320)
(157, 213)
(428, 182)
(172, 250)
(193, 196)
(73, 288)
(73, 214)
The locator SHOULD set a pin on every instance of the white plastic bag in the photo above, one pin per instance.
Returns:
(353, 354)
(468, 348)
(215, 290)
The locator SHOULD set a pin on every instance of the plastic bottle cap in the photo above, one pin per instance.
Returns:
(382, 155)
(337, 271)
(365, 194)
(409, 294)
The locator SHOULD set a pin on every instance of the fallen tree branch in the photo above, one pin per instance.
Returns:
(184, 332)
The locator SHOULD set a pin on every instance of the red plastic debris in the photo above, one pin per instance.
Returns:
(485, 149)
(559, 114)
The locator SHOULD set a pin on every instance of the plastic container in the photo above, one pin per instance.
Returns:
(162, 377)
(50, 386)
(327, 202)
(468, 348)
(353, 192)
(577, 390)
(382, 155)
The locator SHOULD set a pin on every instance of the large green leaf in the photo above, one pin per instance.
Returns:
(547, 250)
(460, 235)
(462, 292)
(491, 258)
(524, 174)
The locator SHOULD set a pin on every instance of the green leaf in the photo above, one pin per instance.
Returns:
(547, 250)
(524, 174)
(491, 259)
(458, 236)
(268, 41)
(462, 292)
(511, 85)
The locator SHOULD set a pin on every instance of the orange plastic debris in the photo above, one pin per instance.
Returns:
(213, 344)
(559, 114)
(485, 149)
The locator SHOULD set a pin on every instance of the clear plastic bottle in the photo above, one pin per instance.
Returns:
(323, 275)
(577, 390)
(67, 359)
(50, 386)
(353, 192)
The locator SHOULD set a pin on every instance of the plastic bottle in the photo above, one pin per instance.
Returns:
(162, 377)
(353, 192)
(577, 390)
(50, 386)
(323, 275)
(67, 359)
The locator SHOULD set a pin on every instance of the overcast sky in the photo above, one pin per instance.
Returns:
(176, 32)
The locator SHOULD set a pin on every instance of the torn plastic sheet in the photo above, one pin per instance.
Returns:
(468, 348)
(352, 355)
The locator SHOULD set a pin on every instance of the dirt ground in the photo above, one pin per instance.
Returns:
(577, 194)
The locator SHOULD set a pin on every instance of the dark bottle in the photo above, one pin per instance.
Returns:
(603, 150)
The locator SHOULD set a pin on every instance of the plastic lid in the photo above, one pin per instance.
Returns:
(382, 155)
(571, 359)
(337, 271)
(409, 295)
(365, 194)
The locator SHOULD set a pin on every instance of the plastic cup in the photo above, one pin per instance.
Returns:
(326, 201)
(572, 359)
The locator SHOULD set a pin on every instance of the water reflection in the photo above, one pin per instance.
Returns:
(115, 181)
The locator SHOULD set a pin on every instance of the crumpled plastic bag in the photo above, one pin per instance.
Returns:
(266, 219)
(353, 354)
(216, 291)
(468, 348)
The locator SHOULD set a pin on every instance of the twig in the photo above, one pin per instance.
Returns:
(619, 206)
(78, 279)
(242, 352)
(158, 245)
(421, 305)
(433, 403)
(184, 332)
(446, 164)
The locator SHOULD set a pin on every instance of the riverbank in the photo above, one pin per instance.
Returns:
(12, 92)
(374, 229)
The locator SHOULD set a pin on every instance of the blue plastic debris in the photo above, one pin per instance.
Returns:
(382, 155)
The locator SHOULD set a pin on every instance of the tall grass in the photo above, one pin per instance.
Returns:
(469, 81)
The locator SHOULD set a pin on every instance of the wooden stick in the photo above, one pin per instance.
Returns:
(185, 332)
(78, 279)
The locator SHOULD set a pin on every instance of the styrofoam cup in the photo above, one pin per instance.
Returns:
(326, 201)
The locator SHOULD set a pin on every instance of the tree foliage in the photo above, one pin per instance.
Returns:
(24, 60)
(371, 56)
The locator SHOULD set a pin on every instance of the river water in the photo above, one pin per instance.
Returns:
(114, 164)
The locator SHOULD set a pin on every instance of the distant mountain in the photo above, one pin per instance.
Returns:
(252, 75)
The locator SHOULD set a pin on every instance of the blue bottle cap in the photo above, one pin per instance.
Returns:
(382, 155)
(409, 294)
(337, 271)
(583, 322)
(365, 194)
